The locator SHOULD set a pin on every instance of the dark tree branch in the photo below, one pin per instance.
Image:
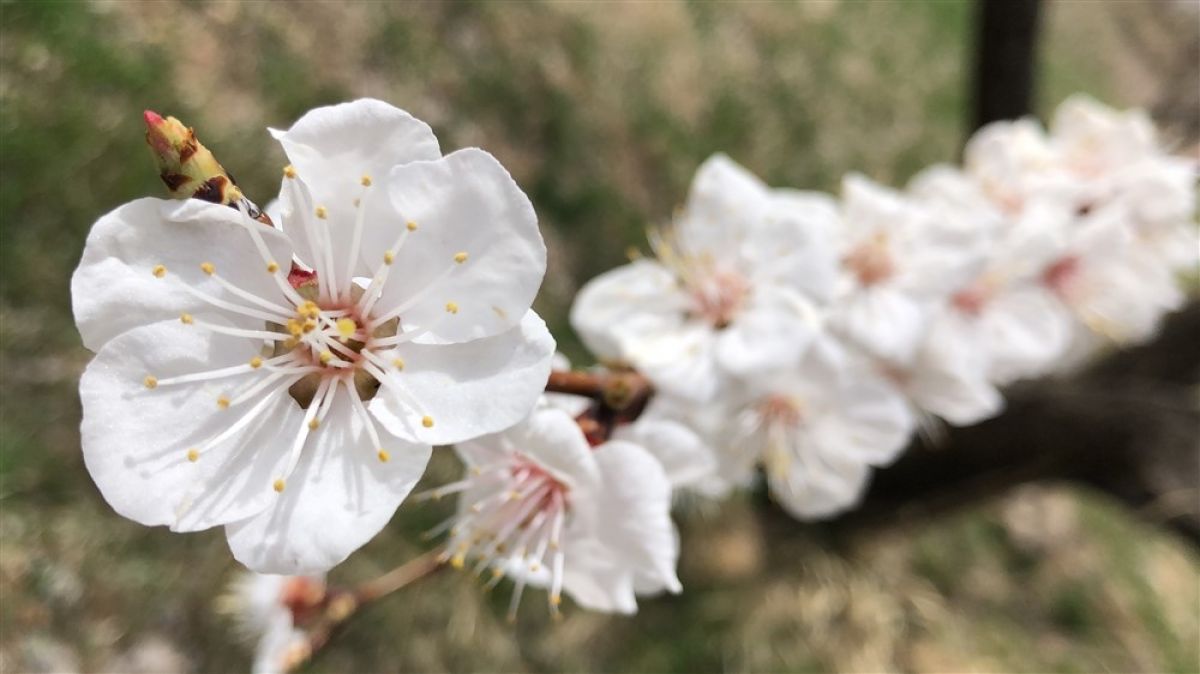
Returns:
(1006, 32)
(1129, 426)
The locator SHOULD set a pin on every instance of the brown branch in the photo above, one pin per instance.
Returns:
(1127, 425)
(623, 391)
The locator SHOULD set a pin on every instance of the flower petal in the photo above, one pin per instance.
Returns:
(136, 441)
(823, 485)
(637, 529)
(477, 247)
(338, 497)
(883, 320)
(137, 255)
(771, 332)
(624, 305)
(685, 458)
(333, 147)
(469, 389)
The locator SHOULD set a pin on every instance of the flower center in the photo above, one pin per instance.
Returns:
(717, 297)
(871, 261)
(331, 338)
(1061, 273)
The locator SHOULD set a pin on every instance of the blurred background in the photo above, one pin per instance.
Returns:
(602, 113)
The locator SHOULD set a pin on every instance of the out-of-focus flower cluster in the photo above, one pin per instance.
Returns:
(810, 336)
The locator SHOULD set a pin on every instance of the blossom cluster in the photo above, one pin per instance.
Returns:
(809, 336)
(286, 375)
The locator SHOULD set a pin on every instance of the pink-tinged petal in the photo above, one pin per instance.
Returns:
(475, 260)
(151, 451)
(137, 256)
(466, 390)
(338, 497)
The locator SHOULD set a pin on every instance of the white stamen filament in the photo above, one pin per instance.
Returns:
(232, 307)
(221, 372)
(252, 227)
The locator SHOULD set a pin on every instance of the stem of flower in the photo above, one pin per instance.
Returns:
(340, 605)
(624, 392)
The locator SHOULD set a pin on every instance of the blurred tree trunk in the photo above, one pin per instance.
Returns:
(1005, 38)
(1128, 425)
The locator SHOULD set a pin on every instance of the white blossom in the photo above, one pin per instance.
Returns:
(540, 505)
(300, 417)
(732, 291)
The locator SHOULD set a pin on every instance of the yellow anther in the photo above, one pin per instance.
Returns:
(309, 325)
(427, 421)
(458, 560)
(223, 402)
(412, 226)
(290, 343)
(186, 319)
(325, 357)
(278, 486)
(346, 327)
(208, 268)
(383, 456)
(159, 271)
(388, 257)
(314, 424)
(256, 362)
(289, 171)
(555, 600)
(366, 181)
(294, 327)
(398, 363)
(193, 455)
(460, 257)
(535, 567)
(150, 381)
(322, 213)
(452, 307)
(496, 573)
(272, 267)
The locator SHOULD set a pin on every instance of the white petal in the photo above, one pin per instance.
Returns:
(553, 439)
(136, 441)
(333, 147)
(115, 289)
(636, 503)
(469, 389)
(725, 201)
(681, 362)
(626, 304)
(339, 496)
(466, 203)
(771, 332)
(884, 321)
(684, 456)
(595, 580)
(872, 422)
(796, 242)
(821, 486)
